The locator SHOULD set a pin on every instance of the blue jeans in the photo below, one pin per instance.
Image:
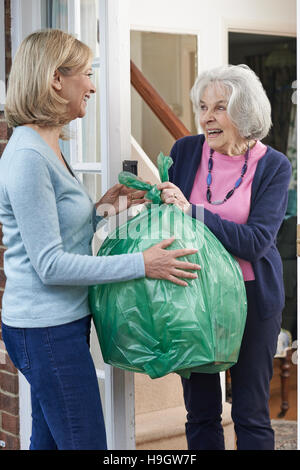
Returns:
(66, 405)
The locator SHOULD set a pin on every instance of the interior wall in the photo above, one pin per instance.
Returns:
(161, 66)
(136, 101)
(168, 61)
(212, 20)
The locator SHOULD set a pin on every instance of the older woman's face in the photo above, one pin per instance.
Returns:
(220, 133)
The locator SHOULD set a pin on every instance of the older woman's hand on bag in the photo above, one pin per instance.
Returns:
(171, 194)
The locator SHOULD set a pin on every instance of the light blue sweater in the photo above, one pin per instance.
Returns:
(48, 224)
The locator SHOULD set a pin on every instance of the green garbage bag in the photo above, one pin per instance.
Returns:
(154, 326)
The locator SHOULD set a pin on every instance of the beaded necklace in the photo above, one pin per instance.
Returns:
(236, 185)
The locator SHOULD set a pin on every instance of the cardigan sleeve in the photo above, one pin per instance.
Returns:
(250, 241)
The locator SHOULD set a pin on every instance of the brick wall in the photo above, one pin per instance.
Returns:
(9, 385)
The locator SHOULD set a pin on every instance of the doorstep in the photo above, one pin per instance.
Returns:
(165, 429)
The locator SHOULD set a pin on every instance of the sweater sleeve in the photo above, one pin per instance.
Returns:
(250, 241)
(32, 198)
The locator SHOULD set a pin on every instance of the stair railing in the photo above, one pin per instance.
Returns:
(158, 105)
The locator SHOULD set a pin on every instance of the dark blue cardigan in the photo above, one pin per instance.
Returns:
(254, 241)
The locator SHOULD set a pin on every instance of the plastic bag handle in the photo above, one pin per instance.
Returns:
(163, 164)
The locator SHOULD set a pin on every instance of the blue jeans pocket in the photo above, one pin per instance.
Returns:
(15, 344)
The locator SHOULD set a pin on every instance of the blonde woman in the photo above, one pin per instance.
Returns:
(48, 223)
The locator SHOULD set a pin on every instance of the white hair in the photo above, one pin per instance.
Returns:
(248, 105)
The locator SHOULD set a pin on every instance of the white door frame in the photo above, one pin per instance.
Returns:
(115, 137)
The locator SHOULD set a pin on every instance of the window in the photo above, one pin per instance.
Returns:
(80, 17)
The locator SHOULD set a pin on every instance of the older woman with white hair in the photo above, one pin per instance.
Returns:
(242, 187)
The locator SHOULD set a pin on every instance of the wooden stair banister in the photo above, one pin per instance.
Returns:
(158, 105)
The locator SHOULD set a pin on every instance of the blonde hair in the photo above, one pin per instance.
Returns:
(31, 98)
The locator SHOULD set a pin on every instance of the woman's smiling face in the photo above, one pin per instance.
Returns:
(220, 133)
(76, 88)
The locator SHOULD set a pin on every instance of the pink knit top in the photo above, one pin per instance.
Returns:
(226, 170)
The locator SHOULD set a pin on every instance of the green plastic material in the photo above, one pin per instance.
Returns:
(154, 326)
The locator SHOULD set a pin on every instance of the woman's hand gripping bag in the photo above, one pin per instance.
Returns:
(154, 326)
